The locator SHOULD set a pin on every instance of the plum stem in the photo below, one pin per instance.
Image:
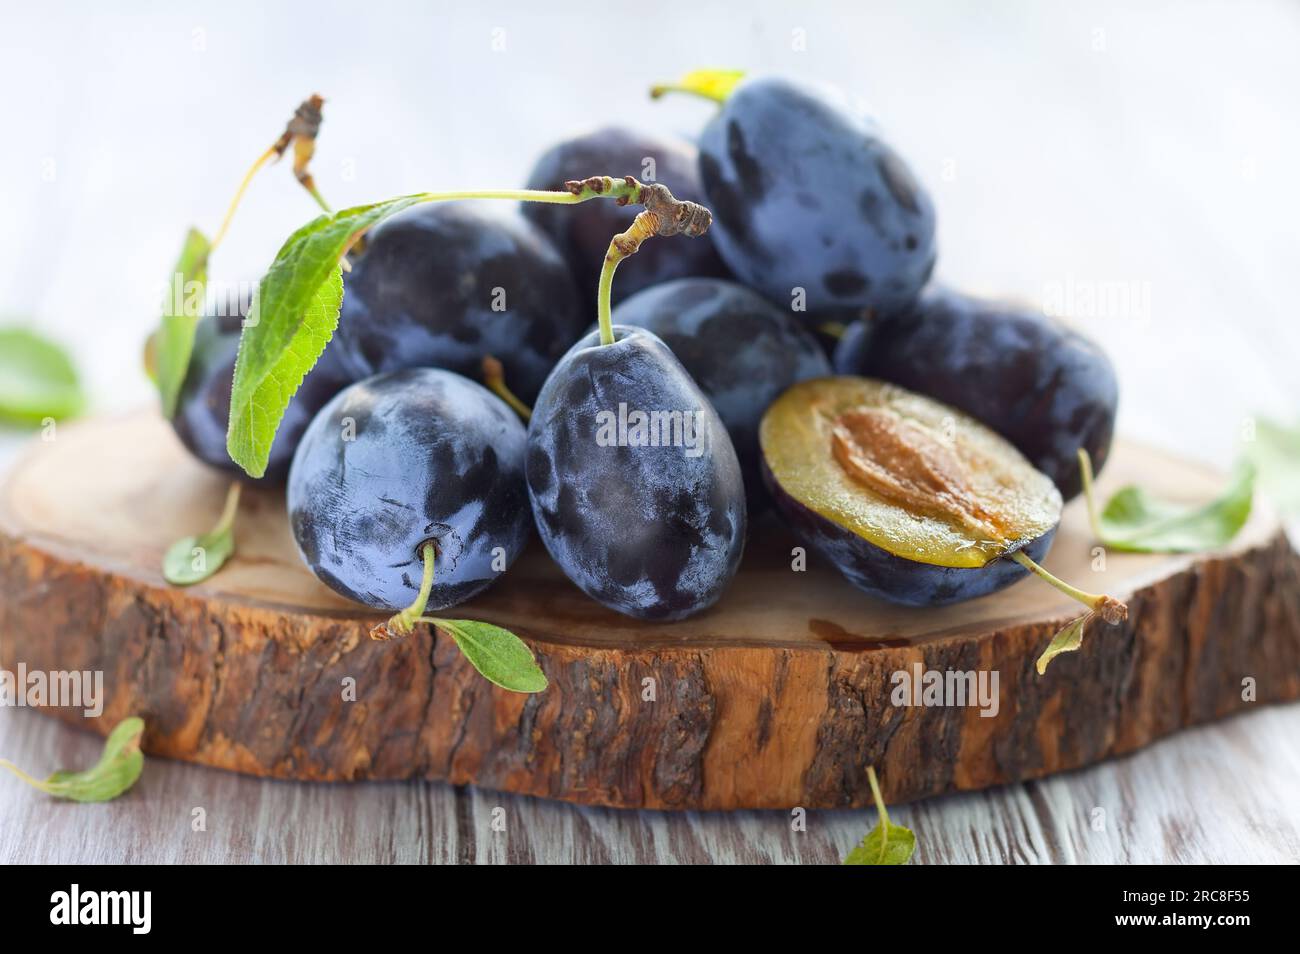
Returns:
(402, 623)
(494, 376)
(1085, 474)
(253, 170)
(1108, 608)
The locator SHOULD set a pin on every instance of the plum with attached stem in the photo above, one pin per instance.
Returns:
(582, 234)
(401, 460)
(442, 286)
(739, 348)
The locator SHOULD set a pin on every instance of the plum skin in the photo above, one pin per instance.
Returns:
(887, 576)
(203, 409)
(648, 531)
(436, 458)
(422, 295)
(1045, 388)
(583, 232)
(740, 349)
(807, 195)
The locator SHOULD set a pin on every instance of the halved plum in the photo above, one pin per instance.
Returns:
(912, 500)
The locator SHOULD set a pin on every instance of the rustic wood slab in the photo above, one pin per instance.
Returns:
(777, 697)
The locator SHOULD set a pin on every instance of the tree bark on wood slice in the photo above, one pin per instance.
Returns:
(780, 696)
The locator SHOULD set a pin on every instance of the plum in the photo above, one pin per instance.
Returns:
(635, 485)
(203, 408)
(444, 285)
(1045, 388)
(807, 195)
(582, 233)
(400, 460)
(913, 501)
(740, 348)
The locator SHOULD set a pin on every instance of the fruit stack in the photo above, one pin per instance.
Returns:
(793, 360)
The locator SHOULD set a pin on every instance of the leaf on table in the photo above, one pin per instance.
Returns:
(1135, 521)
(1275, 453)
(181, 312)
(37, 379)
(294, 315)
(114, 773)
(887, 843)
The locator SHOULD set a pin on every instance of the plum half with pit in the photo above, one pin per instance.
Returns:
(443, 286)
(635, 485)
(401, 460)
(582, 233)
(1042, 386)
(203, 409)
(740, 348)
(806, 194)
(913, 501)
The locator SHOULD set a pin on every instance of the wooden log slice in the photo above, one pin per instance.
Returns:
(780, 696)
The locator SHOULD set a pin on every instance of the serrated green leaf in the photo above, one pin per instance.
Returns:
(1276, 454)
(115, 772)
(710, 84)
(181, 312)
(37, 379)
(498, 654)
(1136, 522)
(294, 315)
(886, 844)
(1068, 640)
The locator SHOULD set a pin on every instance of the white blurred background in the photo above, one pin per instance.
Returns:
(1148, 151)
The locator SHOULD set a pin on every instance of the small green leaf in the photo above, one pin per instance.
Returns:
(1067, 640)
(887, 843)
(194, 559)
(294, 315)
(181, 312)
(1136, 522)
(1276, 453)
(715, 85)
(114, 773)
(37, 379)
(501, 656)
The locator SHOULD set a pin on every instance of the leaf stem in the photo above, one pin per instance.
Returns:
(1085, 473)
(1110, 609)
(494, 376)
(230, 510)
(253, 170)
(402, 623)
(34, 782)
(878, 798)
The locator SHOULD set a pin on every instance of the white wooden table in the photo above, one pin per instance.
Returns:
(1072, 150)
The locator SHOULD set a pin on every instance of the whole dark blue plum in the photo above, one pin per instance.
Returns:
(740, 348)
(913, 501)
(583, 232)
(635, 485)
(441, 286)
(404, 459)
(203, 410)
(1042, 386)
(805, 194)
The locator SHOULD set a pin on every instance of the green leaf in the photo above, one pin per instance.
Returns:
(37, 379)
(1276, 454)
(501, 656)
(194, 559)
(114, 773)
(1066, 641)
(181, 312)
(294, 315)
(715, 85)
(1136, 522)
(887, 843)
